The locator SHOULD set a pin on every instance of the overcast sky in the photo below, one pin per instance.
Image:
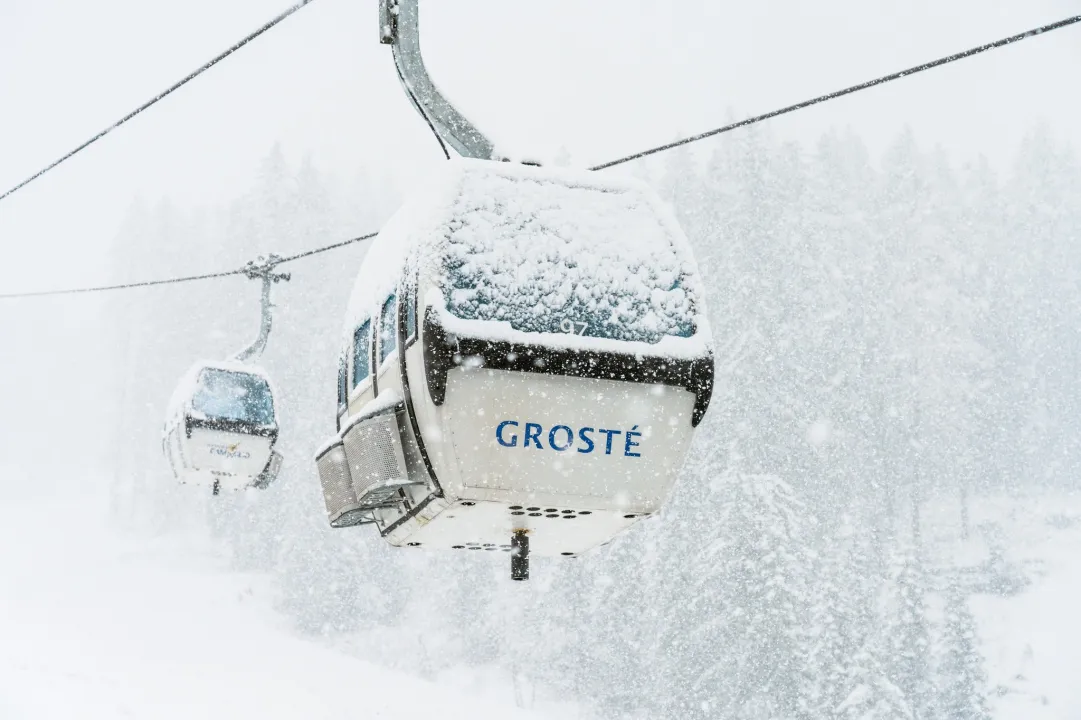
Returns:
(602, 77)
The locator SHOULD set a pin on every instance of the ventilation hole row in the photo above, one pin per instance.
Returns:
(491, 547)
(537, 511)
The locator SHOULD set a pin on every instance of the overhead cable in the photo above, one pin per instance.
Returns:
(124, 286)
(847, 91)
(326, 248)
(188, 278)
(660, 148)
(174, 87)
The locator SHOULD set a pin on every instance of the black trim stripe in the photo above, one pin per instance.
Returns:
(443, 353)
(402, 367)
(373, 352)
(233, 426)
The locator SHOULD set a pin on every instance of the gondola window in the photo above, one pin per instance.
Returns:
(342, 377)
(234, 396)
(410, 313)
(362, 353)
(388, 333)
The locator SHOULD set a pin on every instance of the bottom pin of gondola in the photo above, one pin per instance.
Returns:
(519, 558)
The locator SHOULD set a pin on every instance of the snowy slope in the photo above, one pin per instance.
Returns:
(1032, 640)
(96, 625)
(1028, 619)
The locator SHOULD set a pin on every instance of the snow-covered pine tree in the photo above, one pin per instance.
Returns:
(680, 183)
(755, 664)
(126, 335)
(865, 689)
(689, 604)
(1044, 233)
(872, 695)
(841, 595)
(838, 328)
(270, 216)
(553, 633)
(623, 617)
(907, 631)
(961, 685)
(330, 582)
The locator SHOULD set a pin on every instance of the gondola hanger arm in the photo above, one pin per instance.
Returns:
(399, 27)
(262, 268)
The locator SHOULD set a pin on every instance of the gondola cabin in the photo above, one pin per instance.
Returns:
(222, 426)
(526, 356)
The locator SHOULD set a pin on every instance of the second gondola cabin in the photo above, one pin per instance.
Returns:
(222, 426)
(526, 354)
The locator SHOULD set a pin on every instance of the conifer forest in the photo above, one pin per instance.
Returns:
(897, 344)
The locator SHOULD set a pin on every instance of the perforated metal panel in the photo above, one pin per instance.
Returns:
(373, 448)
(343, 510)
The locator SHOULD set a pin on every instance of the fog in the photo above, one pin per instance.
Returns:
(892, 280)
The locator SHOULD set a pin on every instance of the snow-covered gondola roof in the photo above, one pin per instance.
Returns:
(188, 384)
(511, 243)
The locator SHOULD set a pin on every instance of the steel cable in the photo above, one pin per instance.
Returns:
(628, 158)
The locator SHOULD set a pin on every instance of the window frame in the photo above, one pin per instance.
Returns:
(412, 331)
(343, 381)
(353, 381)
(388, 313)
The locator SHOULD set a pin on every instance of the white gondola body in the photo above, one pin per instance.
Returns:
(570, 437)
(232, 445)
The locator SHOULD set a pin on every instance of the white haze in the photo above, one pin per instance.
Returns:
(601, 78)
(829, 265)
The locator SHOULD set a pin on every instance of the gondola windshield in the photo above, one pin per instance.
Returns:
(559, 257)
(229, 395)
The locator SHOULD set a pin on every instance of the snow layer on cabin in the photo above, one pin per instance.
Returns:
(542, 250)
(556, 252)
(415, 223)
